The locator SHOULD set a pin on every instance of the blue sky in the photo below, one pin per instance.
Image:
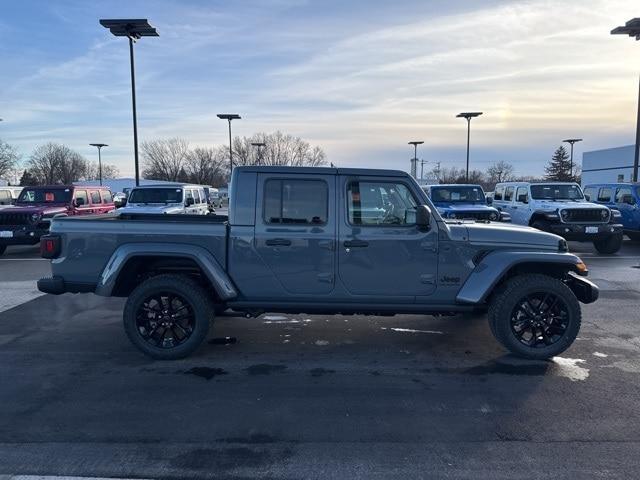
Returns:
(359, 78)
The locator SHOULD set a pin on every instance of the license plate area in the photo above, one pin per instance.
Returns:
(590, 229)
(6, 234)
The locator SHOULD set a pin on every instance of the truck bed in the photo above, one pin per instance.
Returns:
(90, 242)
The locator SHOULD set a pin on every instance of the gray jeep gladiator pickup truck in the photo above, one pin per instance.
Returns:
(320, 240)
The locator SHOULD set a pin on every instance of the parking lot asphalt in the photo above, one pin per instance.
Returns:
(297, 396)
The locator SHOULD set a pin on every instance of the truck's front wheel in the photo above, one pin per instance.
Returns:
(535, 316)
(167, 316)
(609, 245)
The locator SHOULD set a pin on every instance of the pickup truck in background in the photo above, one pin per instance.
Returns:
(31, 215)
(320, 240)
(463, 202)
(560, 208)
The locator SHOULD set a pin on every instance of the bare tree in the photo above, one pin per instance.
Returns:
(500, 172)
(53, 163)
(164, 159)
(206, 166)
(280, 149)
(8, 159)
(93, 171)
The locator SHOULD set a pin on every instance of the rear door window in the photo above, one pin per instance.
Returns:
(95, 197)
(289, 201)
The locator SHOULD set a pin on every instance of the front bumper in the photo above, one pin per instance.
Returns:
(582, 232)
(585, 290)
(21, 234)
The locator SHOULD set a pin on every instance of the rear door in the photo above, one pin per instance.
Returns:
(96, 201)
(295, 231)
(381, 251)
(520, 211)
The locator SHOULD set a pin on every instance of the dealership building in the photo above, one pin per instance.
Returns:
(608, 165)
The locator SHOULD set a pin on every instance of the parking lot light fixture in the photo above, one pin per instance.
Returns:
(99, 145)
(259, 146)
(571, 141)
(632, 29)
(133, 29)
(414, 160)
(228, 117)
(468, 116)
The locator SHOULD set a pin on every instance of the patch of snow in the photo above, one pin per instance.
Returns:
(601, 355)
(322, 343)
(411, 330)
(569, 368)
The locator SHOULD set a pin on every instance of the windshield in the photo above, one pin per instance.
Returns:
(41, 195)
(556, 192)
(156, 195)
(458, 194)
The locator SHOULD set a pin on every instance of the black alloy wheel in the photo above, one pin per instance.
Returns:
(540, 319)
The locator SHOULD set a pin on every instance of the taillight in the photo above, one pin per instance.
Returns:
(49, 246)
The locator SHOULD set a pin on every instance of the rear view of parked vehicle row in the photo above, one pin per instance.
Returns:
(561, 208)
(32, 212)
(320, 240)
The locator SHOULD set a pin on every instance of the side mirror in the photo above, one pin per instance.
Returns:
(78, 202)
(423, 217)
(189, 202)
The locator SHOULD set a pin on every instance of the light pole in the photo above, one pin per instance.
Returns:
(468, 116)
(99, 145)
(259, 146)
(571, 141)
(133, 29)
(414, 160)
(632, 28)
(422, 162)
(229, 117)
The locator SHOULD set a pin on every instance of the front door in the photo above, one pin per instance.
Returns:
(520, 208)
(381, 251)
(295, 233)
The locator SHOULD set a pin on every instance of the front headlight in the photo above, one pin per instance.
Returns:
(564, 214)
(614, 213)
(36, 217)
(493, 216)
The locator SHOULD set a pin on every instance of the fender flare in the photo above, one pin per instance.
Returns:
(480, 283)
(203, 258)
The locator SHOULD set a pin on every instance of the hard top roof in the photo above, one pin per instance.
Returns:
(322, 170)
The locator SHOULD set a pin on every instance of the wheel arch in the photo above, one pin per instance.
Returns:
(497, 267)
(132, 263)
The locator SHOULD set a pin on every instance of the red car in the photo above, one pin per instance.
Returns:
(29, 219)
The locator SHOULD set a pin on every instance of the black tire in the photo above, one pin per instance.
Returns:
(551, 332)
(192, 324)
(609, 245)
(3, 248)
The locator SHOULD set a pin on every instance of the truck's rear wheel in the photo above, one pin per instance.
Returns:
(535, 316)
(167, 316)
(609, 245)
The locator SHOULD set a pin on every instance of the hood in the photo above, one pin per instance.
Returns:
(501, 234)
(567, 204)
(44, 210)
(150, 208)
(465, 207)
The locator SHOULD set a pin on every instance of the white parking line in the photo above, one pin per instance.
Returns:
(17, 293)
(24, 260)
(57, 477)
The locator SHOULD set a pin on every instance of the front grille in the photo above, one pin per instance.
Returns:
(587, 215)
(15, 218)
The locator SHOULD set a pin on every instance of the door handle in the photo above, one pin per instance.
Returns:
(278, 242)
(355, 244)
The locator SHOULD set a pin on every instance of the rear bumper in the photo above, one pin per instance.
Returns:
(576, 231)
(20, 235)
(56, 286)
